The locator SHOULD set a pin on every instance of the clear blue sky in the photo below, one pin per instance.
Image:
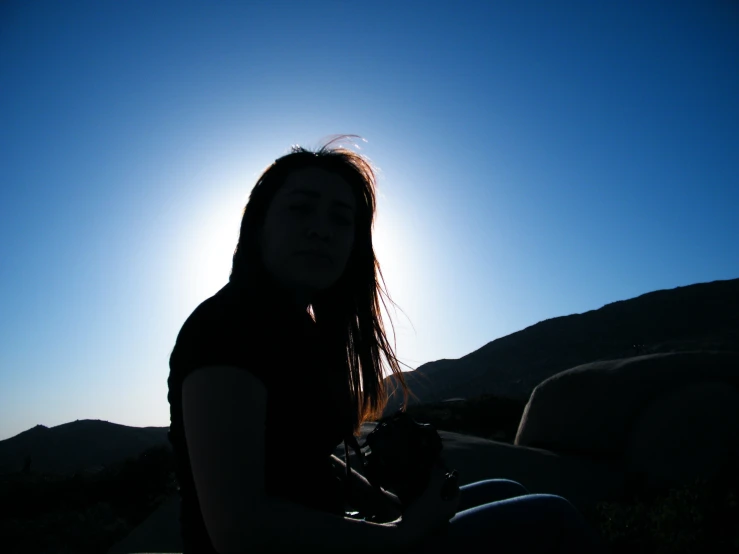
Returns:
(537, 159)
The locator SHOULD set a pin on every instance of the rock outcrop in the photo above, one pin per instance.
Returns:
(670, 418)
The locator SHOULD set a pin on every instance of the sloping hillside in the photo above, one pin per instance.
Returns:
(77, 445)
(695, 317)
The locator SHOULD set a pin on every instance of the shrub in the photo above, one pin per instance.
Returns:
(699, 517)
(84, 512)
(485, 416)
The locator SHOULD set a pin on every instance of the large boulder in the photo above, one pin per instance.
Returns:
(688, 433)
(615, 410)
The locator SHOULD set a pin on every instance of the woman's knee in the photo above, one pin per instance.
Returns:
(552, 504)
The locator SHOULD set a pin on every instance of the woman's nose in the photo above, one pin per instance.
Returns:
(320, 227)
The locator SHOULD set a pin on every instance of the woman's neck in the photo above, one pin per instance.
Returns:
(293, 299)
(270, 292)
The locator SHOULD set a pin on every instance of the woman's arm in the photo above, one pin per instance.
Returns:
(368, 499)
(220, 402)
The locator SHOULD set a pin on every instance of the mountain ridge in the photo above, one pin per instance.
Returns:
(702, 315)
(76, 446)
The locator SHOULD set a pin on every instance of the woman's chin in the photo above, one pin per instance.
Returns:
(313, 282)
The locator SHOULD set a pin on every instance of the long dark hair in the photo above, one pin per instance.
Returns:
(349, 311)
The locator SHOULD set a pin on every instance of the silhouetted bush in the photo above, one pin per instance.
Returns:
(700, 517)
(485, 416)
(83, 512)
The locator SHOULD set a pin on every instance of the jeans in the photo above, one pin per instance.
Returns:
(502, 515)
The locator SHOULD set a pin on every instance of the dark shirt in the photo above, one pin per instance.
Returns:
(308, 401)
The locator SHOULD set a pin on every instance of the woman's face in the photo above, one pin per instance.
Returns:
(308, 232)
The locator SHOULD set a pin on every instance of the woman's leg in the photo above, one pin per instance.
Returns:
(535, 523)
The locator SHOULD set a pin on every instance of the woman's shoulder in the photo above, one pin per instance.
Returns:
(225, 313)
(221, 330)
(220, 305)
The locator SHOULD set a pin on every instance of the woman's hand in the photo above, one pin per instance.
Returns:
(368, 500)
(384, 506)
(429, 513)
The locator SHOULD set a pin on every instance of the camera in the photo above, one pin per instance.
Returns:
(401, 456)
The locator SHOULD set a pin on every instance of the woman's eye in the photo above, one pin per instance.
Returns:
(305, 209)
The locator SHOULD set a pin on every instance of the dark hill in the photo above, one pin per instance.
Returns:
(77, 445)
(696, 317)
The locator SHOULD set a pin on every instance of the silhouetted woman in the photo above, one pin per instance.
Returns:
(265, 383)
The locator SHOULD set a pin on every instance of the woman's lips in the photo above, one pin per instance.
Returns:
(314, 255)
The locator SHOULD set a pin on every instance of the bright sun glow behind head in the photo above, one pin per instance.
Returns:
(208, 240)
(214, 251)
